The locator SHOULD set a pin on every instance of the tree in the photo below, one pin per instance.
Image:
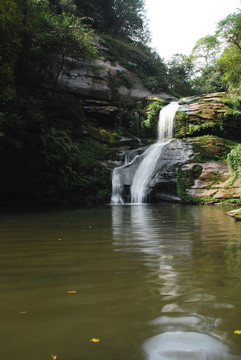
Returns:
(180, 69)
(229, 29)
(48, 39)
(129, 18)
(230, 62)
(125, 18)
(68, 38)
(210, 80)
(10, 23)
(208, 72)
(206, 49)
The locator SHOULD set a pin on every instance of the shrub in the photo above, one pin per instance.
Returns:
(234, 160)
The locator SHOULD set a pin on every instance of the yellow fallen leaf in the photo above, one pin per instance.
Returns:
(71, 292)
(94, 340)
(237, 332)
(54, 357)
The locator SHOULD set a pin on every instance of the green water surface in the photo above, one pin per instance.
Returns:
(150, 282)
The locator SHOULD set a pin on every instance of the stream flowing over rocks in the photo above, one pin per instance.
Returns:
(163, 182)
(171, 169)
(152, 176)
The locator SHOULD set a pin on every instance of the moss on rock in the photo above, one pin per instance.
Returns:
(211, 114)
(211, 148)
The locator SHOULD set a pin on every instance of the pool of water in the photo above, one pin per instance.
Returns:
(150, 282)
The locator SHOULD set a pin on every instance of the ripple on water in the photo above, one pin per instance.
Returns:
(199, 298)
(168, 323)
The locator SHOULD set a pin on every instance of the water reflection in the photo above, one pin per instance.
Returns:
(188, 256)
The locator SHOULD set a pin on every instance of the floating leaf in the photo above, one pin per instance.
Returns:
(237, 332)
(54, 357)
(71, 292)
(94, 340)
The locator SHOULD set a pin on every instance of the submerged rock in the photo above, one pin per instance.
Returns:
(235, 213)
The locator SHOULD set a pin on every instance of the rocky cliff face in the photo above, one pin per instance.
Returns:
(104, 87)
(102, 80)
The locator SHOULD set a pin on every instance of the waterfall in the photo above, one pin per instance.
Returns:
(144, 173)
(117, 188)
(147, 168)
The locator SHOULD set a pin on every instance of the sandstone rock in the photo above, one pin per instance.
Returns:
(200, 184)
(206, 185)
(212, 168)
(201, 192)
(100, 79)
(228, 193)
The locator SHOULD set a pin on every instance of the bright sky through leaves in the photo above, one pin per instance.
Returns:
(176, 25)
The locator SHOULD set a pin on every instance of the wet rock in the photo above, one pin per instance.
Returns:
(164, 180)
(235, 213)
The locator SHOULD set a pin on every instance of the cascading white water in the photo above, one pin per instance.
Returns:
(117, 188)
(144, 173)
(146, 169)
(166, 121)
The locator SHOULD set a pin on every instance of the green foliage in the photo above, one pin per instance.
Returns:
(152, 110)
(214, 114)
(185, 127)
(123, 79)
(185, 180)
(229, 29)
(65, 37)
(210, 80)
(10, 24)
(180, 69)
(117, 17)
(181, 125)
(140, 59)
(234, 160)
(233, 104)
(216, 70)
(211, 148)
(206, 49)
(61, 156)
(230, 62)
(37, 42)
(104, 135)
